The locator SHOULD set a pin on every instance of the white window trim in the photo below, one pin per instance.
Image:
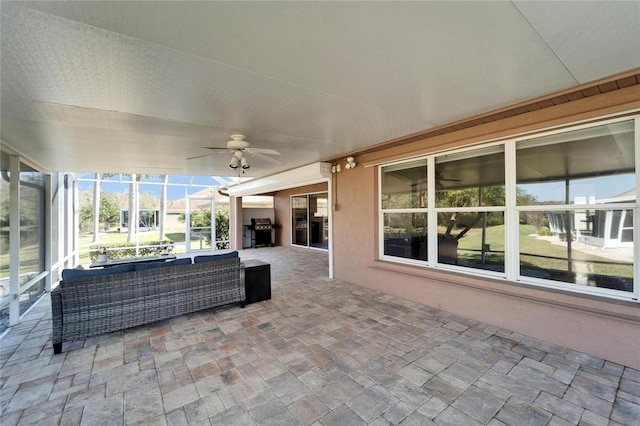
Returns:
(512, 211)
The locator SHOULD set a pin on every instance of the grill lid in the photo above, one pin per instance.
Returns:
(261, 224)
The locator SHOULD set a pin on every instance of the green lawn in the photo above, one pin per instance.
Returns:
(28, 261)
(529, 244)
(114, 237)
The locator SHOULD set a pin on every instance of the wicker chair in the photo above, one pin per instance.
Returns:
(91, 306)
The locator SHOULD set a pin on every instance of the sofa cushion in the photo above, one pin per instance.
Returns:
(75, 274)
(154, 265)
(213, 257)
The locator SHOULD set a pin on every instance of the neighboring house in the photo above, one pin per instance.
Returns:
(597, 226)
(149, 220)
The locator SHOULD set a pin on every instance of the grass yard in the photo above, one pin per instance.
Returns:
(114, 237)
(529, 244)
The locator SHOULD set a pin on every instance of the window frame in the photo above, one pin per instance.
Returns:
(292, 228)
(511, 212)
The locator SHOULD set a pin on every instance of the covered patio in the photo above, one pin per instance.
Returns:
(321, 351)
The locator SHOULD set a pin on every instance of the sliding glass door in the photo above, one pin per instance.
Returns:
(310, 220)
(300, 220)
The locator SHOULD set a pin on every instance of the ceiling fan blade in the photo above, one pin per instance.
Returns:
(268, 159)
(213, 148)
(262, 151)
(197, 156)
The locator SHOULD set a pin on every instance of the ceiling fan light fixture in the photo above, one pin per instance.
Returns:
(245, 163)
(233, 164)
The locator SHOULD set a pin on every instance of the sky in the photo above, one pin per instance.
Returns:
(600, 188)
(174, 192)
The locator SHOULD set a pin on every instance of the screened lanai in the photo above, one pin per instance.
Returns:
(94, 209)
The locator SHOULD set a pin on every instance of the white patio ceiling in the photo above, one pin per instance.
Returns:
(138, 86)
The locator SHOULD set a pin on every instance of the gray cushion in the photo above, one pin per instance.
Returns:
(75, 274)
(214, 257)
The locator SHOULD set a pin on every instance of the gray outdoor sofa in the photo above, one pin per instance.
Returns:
(127, 296)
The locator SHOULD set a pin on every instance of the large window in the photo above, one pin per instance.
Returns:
(577, 195)
(470, 200)
(558, 209)
(404, 206)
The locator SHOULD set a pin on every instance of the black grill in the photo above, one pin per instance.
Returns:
(261, 232)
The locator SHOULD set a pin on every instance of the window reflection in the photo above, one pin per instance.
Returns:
(580, 167)
(405, 185)
(405, 235)
(473, 178)
(583, 247)
(575, 194)
(474, 240)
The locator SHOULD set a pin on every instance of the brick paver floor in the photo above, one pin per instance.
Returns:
(321, 352)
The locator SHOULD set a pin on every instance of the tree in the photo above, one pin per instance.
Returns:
(108, 212)
(535, 218)
(222, 228)
(202, 219)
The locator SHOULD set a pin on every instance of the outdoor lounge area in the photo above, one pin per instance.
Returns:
(435, 206)
(321, 352)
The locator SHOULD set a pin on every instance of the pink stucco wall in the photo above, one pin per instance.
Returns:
(603, 327)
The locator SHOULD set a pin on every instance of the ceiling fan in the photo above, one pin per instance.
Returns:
(238, 146)
(440, 178)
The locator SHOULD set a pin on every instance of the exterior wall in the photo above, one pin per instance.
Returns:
(282, 206)
(606, 328)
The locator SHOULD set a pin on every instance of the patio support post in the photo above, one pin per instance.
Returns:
(48, 231)
(330, 203)
(187, 224)
(567, 225)
(235, 223)
(75, 224)
(214, 236)
(14, 239)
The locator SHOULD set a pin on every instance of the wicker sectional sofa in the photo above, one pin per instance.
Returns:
(129, 296)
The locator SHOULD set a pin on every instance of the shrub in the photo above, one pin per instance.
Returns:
(545, 232)
(124, 250)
